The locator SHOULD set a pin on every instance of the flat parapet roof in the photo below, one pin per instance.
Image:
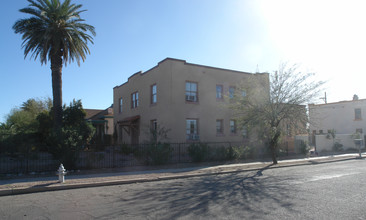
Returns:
(340, 102)
(168, 59)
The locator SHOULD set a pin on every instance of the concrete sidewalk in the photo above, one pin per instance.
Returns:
(74, 181)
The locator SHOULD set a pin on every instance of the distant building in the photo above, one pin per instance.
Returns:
(345, 118)
(102, 120)
(187, 99)
(292, 129)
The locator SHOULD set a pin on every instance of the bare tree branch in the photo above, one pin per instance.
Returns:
(285, 105)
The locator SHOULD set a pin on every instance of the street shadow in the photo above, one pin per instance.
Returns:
(44, 185)
(254, 194)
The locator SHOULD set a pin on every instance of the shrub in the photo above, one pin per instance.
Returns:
(241, 152)
(304, 147)
(92, 158)
(220, 153)
(159, 153)
(282, 150)
(127, 149)
(139, 151)
(351, 149)
(66, 143)
(65, 146)
(198, 152)
(338, 146)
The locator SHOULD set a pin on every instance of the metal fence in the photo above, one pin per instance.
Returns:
(131, 155)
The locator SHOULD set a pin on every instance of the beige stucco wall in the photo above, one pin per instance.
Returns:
(325, 144)
(109, 128)
(339, 116)
(171, 110)
(297, 146)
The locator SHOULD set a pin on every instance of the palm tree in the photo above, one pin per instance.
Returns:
(55, 32)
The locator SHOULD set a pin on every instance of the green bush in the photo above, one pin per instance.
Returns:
(352, 149)
(220, 153)
(159, 153)
(337, 146)
(198, 152)
(92, 158)
(127, 149)
(64, 146)
(241, 152)
(202, 152)
(66, 143)
(304, 147)
(139, 152)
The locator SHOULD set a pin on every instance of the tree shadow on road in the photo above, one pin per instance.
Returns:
(238, 195)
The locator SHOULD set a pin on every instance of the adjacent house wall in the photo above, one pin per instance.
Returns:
(346, 118)
(103, 121)
(299, 140)
(339, 116)
(326, 144)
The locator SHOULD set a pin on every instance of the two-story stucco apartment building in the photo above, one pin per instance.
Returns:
(189, 100)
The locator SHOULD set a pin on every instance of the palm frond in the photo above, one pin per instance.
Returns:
(54, 28)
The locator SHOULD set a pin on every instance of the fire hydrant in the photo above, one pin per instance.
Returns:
(61, 172)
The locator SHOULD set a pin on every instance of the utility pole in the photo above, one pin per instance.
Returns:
(324, 98)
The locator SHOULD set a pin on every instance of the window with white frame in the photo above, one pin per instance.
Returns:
(244, 132)
(191, 92)
(153, 94)
(192, 129)
(358, 115)
(232, 126)
(154, 125)
(219, 126)
(134, 100)
(219, 91)
(120, 105)
(231, 92)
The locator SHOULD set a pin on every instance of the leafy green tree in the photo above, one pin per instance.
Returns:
(30, 128)
(65, 144)
(55, 32)
(5, 132)
(289, 90)
(35, 106)
(20, 130)
(23, 119)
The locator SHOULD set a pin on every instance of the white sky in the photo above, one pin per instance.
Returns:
(327, 37)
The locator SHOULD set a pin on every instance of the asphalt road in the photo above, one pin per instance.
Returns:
(321, 191)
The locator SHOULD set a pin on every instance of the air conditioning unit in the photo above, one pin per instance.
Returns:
(191, 98)
(195, 137)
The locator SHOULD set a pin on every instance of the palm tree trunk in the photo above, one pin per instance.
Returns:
(56, 67)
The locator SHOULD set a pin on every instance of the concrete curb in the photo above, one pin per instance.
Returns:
(190, 174)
